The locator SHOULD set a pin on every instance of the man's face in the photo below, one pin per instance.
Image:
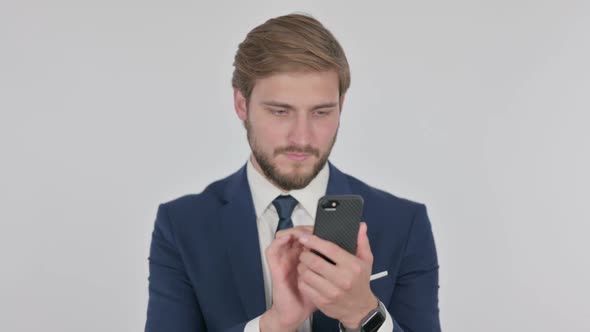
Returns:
(291, 120)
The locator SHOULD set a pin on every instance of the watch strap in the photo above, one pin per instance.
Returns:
(374, 314)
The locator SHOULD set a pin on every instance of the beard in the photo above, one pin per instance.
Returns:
(286, 181)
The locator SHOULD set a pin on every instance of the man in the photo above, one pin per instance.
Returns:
(237, 257)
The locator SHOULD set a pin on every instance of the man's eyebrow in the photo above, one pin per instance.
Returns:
(324, 105)
(277, 104)
(290, 107)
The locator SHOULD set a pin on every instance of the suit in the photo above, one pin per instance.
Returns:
(206, 272)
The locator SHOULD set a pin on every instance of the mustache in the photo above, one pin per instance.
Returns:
(308, 149)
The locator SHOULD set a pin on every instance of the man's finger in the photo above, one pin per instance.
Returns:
(326, 248)
(318, 265)
(322, 285)
(336, 275)
(363, 248)
(309, 292)
(295, 231)
(273, 251)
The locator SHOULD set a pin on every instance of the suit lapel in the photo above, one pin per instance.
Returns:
(239, 226)
(338, 182)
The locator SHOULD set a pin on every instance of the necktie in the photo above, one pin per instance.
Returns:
(285, 206)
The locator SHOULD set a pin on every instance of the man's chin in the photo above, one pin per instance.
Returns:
(297, 169)
(294, 182)
(298, 176)
(290, 174)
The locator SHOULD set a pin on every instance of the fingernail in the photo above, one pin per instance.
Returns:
(304, 239)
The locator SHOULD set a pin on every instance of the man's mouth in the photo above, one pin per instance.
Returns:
(297, 156)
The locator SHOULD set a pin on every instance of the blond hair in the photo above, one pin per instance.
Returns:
(294, 42)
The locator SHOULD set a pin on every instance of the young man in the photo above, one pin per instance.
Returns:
(237, 257)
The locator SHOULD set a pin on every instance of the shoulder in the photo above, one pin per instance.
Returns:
(383, 205)
(198, 205)
(375, 196)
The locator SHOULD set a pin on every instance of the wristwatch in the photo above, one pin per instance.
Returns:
(372, 321)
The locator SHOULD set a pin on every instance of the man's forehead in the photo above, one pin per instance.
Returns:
(300, 74)
(292, 87)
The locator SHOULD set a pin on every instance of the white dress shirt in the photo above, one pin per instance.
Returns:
(267, 219)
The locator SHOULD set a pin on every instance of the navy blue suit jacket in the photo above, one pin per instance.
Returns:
(205, 265)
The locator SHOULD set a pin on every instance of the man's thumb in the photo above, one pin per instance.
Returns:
(363, 250)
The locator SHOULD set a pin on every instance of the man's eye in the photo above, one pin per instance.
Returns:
(322, 113)
(279, 112)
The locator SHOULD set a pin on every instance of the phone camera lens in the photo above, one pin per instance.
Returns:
(330, 205)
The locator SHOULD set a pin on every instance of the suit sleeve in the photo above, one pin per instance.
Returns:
(172, 304)
(414, 304)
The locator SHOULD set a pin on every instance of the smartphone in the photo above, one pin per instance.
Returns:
(338, 218)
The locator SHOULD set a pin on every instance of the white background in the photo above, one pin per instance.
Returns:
(479, 109)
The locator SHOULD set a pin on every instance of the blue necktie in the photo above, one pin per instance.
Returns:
(285, 206)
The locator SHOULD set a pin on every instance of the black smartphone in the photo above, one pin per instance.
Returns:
(337, 219)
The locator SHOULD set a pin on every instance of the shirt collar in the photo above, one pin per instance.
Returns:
(264, 192)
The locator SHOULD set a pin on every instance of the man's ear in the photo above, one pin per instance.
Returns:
(240, 105)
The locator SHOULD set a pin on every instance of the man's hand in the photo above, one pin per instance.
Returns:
(340, 291)
(289, 308)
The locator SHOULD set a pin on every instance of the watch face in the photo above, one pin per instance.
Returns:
(373, 323)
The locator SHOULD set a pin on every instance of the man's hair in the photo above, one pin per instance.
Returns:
(288, 43)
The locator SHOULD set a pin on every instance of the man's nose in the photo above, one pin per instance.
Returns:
(301, 130)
